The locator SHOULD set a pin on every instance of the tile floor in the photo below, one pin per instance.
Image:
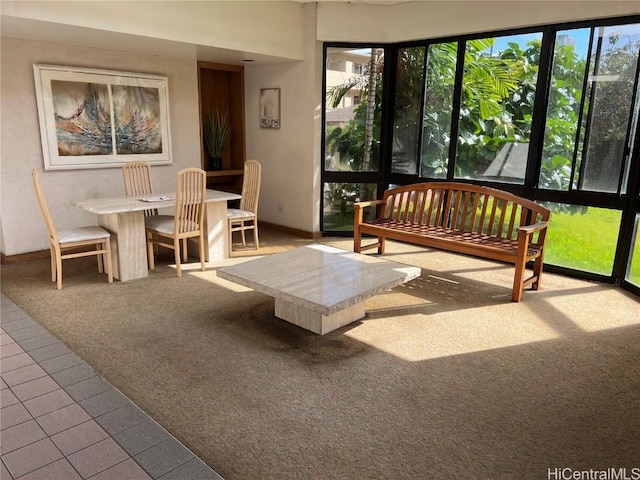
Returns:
(59, 419)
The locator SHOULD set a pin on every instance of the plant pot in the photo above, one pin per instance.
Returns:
(215, 163)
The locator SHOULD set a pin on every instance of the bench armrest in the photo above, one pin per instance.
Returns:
(529, 229)
(358, 209)
(367, 204)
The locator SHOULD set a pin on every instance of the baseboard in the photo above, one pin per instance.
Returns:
(24, 257)
(42, 254)
(290, 231)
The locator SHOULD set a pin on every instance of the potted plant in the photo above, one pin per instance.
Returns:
(216, 134)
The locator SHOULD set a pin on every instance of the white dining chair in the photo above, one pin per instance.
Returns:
(137, 181)
(187, 223)
(74, 242)
(246, 216)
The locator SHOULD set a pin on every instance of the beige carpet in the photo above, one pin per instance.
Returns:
(444, 378)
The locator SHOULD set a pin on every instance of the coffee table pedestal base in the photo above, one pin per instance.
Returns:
(314, 321)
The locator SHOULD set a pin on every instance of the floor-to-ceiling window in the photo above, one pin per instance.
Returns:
(354, 81)
(549, 113)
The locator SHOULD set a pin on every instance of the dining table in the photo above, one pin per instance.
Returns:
(124, 216)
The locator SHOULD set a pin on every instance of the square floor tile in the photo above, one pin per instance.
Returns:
(98, 457)
(35, 388)
(4, 473)
(141, 437)
(48, 403)
(194, 469)
(38, 342)
(23, 374)
(72, 375)
(62, 419)
(10, 350)
(50, 351)
(16, 320)
(33, 456)
(15, 361)
(121, 418)
(20, 436)
(28, 332)
(13, 415)
(128, 469)
(61, 362)
(164, 457)
(81, 436)
(88, 388)
(7, 398)
(60, 470)
(104, 402)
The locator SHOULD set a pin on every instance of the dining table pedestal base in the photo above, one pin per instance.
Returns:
(127, 235)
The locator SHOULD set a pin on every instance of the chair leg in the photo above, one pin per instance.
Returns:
(202, 255)
(109, 262)
(59, 267)
(176, 249)
(185, 250)
(255, 234)
(150, 247)
(52, 254)
(100, 246)
(242, 229)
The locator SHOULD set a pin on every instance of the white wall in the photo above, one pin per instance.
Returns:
(356, 22)
(290, 156)
(23, 229)
(267, 28)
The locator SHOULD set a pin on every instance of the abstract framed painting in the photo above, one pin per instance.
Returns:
(92, 118)
(270, 108)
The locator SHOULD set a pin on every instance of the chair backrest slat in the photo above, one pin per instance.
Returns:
(137, 181)
(251, 186)
(191, 185)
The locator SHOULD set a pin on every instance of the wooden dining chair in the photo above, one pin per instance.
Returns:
(246, 216)
(75, 242)
(137, 181)
(188, 221)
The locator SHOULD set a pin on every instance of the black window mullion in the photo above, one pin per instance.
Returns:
(455, 115)
(587, 129)
(543, 91)
(576, 147)
(628, 154)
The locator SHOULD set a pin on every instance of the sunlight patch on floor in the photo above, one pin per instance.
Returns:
(421, 337)
(597, 309)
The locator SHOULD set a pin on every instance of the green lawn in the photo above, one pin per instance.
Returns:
(587, 242)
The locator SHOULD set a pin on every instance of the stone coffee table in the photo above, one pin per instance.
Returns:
(318, 287)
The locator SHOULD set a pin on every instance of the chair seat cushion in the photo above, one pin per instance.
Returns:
(82, 234)
(160, 223)
(237, 214)
(164, 224)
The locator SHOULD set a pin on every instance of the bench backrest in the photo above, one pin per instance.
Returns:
(467, 208)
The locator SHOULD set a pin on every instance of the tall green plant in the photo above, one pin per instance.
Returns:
(217, 133)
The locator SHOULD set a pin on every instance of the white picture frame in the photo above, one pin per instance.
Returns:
(270, 108)
(94, 118)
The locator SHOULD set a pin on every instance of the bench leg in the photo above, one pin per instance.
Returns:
(537, 271)
(357, 240)
(518, 282)
(381, 245)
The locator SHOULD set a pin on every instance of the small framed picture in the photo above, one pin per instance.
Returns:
(270, 108)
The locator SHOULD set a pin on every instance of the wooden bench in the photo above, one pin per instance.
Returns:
(463, 218)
